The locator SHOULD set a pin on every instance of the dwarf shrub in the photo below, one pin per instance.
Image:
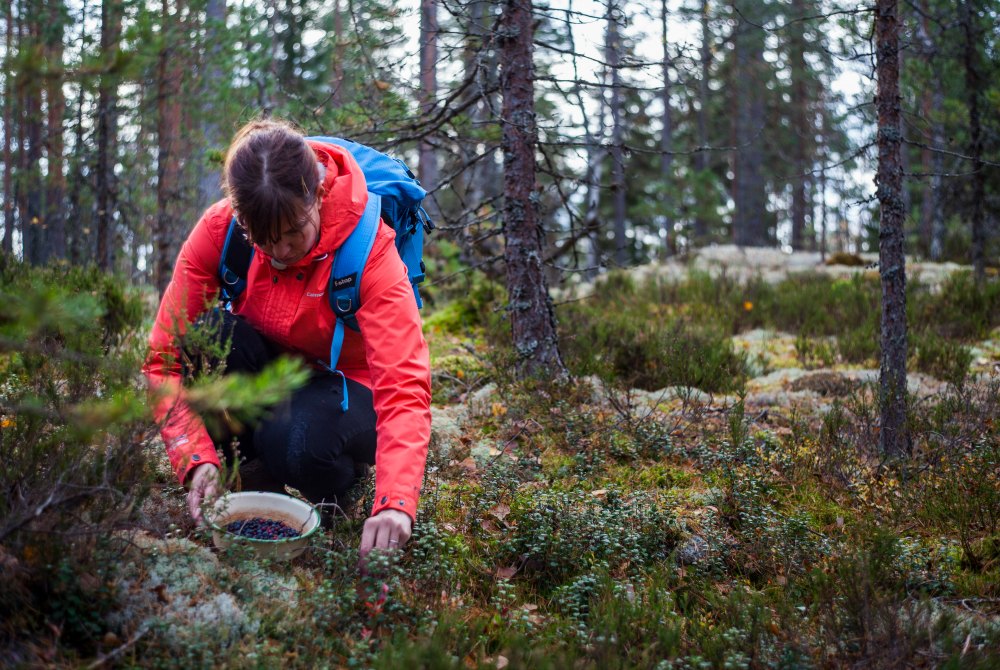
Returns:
(943, 359)
(560, 534)
(961, 309)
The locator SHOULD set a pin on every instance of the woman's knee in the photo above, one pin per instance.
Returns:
(309, 441)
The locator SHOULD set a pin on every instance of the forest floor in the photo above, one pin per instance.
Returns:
(622, 519)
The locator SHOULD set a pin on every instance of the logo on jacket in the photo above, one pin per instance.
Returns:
(345, 282)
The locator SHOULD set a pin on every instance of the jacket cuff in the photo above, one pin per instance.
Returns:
(397, 501)
(189, 462)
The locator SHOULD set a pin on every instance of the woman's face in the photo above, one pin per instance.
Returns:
(296, 240)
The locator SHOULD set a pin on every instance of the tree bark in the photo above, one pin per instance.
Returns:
(168, 162)
(969, 12)
(32, 214)
(8, 103)
(893, 437)
(612, 52)
(533, 325)
(337, 97)
(107, 131)
(55, 188)
(802, 133)
(666, 138)
(80, 237)
(700, 232)
(596, 155)
(428, 165)
(932, 100)
(822, 181)
(213, 87)
(749, 195)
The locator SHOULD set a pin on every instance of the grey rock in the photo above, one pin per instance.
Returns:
(694, 550)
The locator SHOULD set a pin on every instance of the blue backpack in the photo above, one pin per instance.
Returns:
(395, 195)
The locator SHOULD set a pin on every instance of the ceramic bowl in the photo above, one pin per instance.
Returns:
(291, 511)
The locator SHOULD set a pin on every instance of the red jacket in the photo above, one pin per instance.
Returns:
(290, 308)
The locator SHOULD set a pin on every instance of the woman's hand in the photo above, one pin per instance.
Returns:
(204, 486)
(389, 529)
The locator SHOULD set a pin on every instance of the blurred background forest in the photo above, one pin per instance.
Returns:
(662, 126)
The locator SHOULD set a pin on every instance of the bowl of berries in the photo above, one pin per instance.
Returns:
(273, 524)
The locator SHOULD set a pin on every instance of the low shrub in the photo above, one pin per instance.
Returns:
(860, 344)
(961, 309)
(643, 352)
(943, 359)
(559, 535)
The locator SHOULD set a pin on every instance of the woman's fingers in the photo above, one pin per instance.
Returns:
(204, 487)
(389, 529)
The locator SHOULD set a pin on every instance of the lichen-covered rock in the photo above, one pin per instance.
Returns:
(695, 550)
(446, 429)
(178, 589)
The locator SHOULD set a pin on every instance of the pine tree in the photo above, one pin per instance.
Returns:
(893, 437)
(530, 308)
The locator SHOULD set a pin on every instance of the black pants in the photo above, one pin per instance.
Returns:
(307, 442)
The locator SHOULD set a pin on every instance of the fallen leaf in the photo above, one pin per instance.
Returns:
(529, 607)
(599, 493)
(500, 511)
(506, 573)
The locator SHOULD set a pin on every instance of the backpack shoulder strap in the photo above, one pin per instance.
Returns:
(344, 290)
(234, 263)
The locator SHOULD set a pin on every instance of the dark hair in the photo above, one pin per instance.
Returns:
(271, 177)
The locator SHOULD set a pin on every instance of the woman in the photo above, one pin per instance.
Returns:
(297, 201)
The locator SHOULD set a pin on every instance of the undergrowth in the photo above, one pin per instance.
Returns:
(568, 524)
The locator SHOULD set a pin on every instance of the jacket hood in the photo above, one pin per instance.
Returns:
(343, 203)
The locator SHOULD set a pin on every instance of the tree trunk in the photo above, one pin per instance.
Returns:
(893, 437)
(700, 232)
(55, 190)
(213, 86)
(802, 133)
(931, 100)
(596, 154)
(749, 196)
(8, 154)
(168, 162)
(32, 214)
(337, 97)
(969, 12)
(107, 131)
(935, 206)
(822, 181)
(666, 139)
(532, 317)
(428, 165)
(612, 52)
